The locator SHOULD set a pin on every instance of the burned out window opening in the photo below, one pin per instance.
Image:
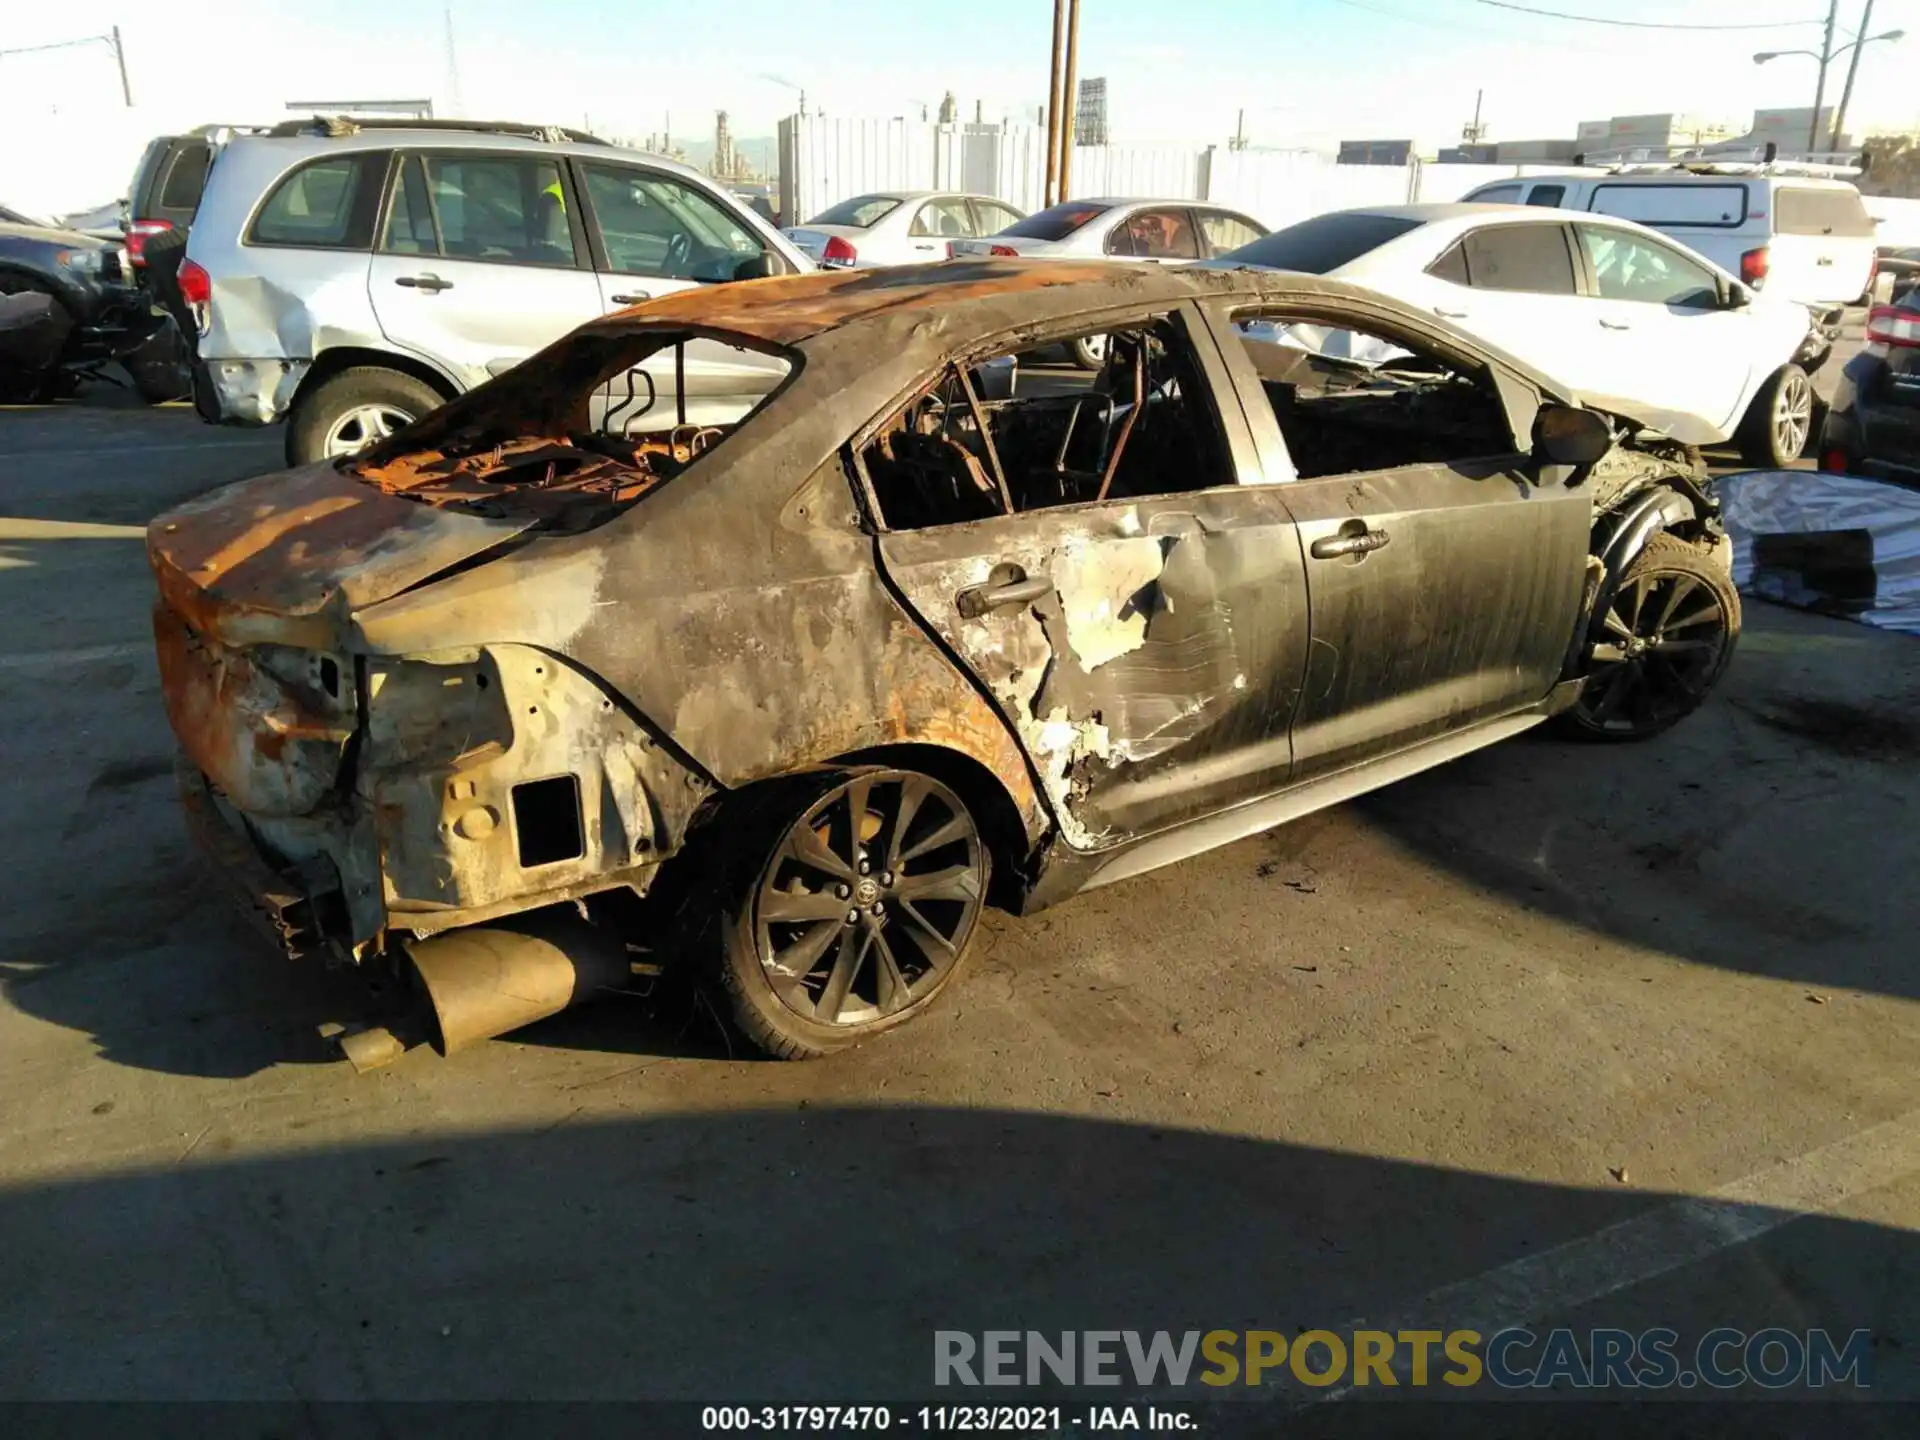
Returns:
(1348, 401)
(1142, 425)
(628, 414)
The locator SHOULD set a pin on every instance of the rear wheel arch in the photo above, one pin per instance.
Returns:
(340, 358)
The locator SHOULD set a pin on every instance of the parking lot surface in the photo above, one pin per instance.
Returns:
(1557, 1034)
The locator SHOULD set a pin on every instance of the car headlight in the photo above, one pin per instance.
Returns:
(81, 262)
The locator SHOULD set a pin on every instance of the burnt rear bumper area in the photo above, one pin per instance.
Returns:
(296, 907)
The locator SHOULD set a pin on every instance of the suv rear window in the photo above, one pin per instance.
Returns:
(326, 204)
(186, 179)
(1717, 206)
(1820, 212)
(1324, 243)
(1055, 223)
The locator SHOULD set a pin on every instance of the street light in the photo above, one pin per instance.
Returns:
(1826, 55)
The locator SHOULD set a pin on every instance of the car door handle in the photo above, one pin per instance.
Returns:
(1449, 314)
(634, 299)
(1615, 325)
(1021, 589)
(1362, 542)
(430, 283)
(1824, 260)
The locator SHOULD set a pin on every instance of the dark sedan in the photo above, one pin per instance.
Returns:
(553, 688)
(94, 304)
(1873, 426)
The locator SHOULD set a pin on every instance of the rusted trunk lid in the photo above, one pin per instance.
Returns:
(285, 558)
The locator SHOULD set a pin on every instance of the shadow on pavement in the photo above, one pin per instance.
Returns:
(768, 1255)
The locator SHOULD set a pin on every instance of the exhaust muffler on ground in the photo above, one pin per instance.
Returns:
(485, 981)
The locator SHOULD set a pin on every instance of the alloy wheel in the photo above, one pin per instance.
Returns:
(869, 899)
(361, 426)
(1663, 640)
(1792, 415)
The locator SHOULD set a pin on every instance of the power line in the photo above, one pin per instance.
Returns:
(1643, 24)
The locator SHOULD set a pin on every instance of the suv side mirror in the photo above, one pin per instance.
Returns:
(1567, 435)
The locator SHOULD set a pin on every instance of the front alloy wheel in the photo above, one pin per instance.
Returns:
(860, 914)
(1663, 643)
(1778, 423)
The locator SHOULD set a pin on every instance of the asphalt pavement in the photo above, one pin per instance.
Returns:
(1557, 1034)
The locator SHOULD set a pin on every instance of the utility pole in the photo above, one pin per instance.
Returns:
(1839, 126)
(1050, 195)
(1820, 85)
(1240, 132)
(1069, 98)
(454, 106)
(1475, 132)
(126, 90)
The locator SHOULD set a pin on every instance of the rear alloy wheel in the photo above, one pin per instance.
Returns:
(859, 915)
(1775, 432)
(1663, 643)
(355, 409)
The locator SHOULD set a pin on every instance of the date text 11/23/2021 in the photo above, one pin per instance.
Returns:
(947, 1419)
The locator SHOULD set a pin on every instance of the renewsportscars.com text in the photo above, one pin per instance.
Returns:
(1602, 1359)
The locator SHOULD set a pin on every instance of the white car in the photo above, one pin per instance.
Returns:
(1613, 309)
(898, 227)
(1799, 235)
(1157, 231)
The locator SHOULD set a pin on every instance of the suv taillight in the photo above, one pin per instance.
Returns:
(196, 288)
(1893, 325)
(838, 252)
(137, 233)
(1753, 267)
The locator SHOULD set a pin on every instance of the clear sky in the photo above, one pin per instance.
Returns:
(1306, 71)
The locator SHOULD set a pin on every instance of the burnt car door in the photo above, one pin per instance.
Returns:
(1099, 554)
(1444, 579)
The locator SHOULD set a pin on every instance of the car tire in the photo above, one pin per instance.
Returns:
(375, 399)
(1781, 411)
(1670, 630)
(814, 950)
(1090, 352)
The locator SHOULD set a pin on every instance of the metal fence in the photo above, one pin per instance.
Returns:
(826, 159)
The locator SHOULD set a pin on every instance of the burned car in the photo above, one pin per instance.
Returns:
(556, 684)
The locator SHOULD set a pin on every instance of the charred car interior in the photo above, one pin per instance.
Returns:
(573, 679)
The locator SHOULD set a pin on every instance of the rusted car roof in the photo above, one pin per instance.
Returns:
(791, 309)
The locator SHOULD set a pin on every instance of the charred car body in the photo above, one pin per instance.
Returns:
(898, 644)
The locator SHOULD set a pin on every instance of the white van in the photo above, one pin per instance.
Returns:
(1793, 229)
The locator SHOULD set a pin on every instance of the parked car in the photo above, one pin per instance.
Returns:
(1873, 422)
(1156, 231)
(93, 305)
(350, 277)
(1611, 308)
(899, 228)
(823, 683)
(1795, 231)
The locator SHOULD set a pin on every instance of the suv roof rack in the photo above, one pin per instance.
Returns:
(1729, 160)
(338, 126)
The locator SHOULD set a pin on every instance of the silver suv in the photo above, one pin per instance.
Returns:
(348, 277)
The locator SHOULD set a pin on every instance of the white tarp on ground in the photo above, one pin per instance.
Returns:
(1835, 543)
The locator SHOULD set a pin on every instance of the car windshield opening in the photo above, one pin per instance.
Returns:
(582, 431)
